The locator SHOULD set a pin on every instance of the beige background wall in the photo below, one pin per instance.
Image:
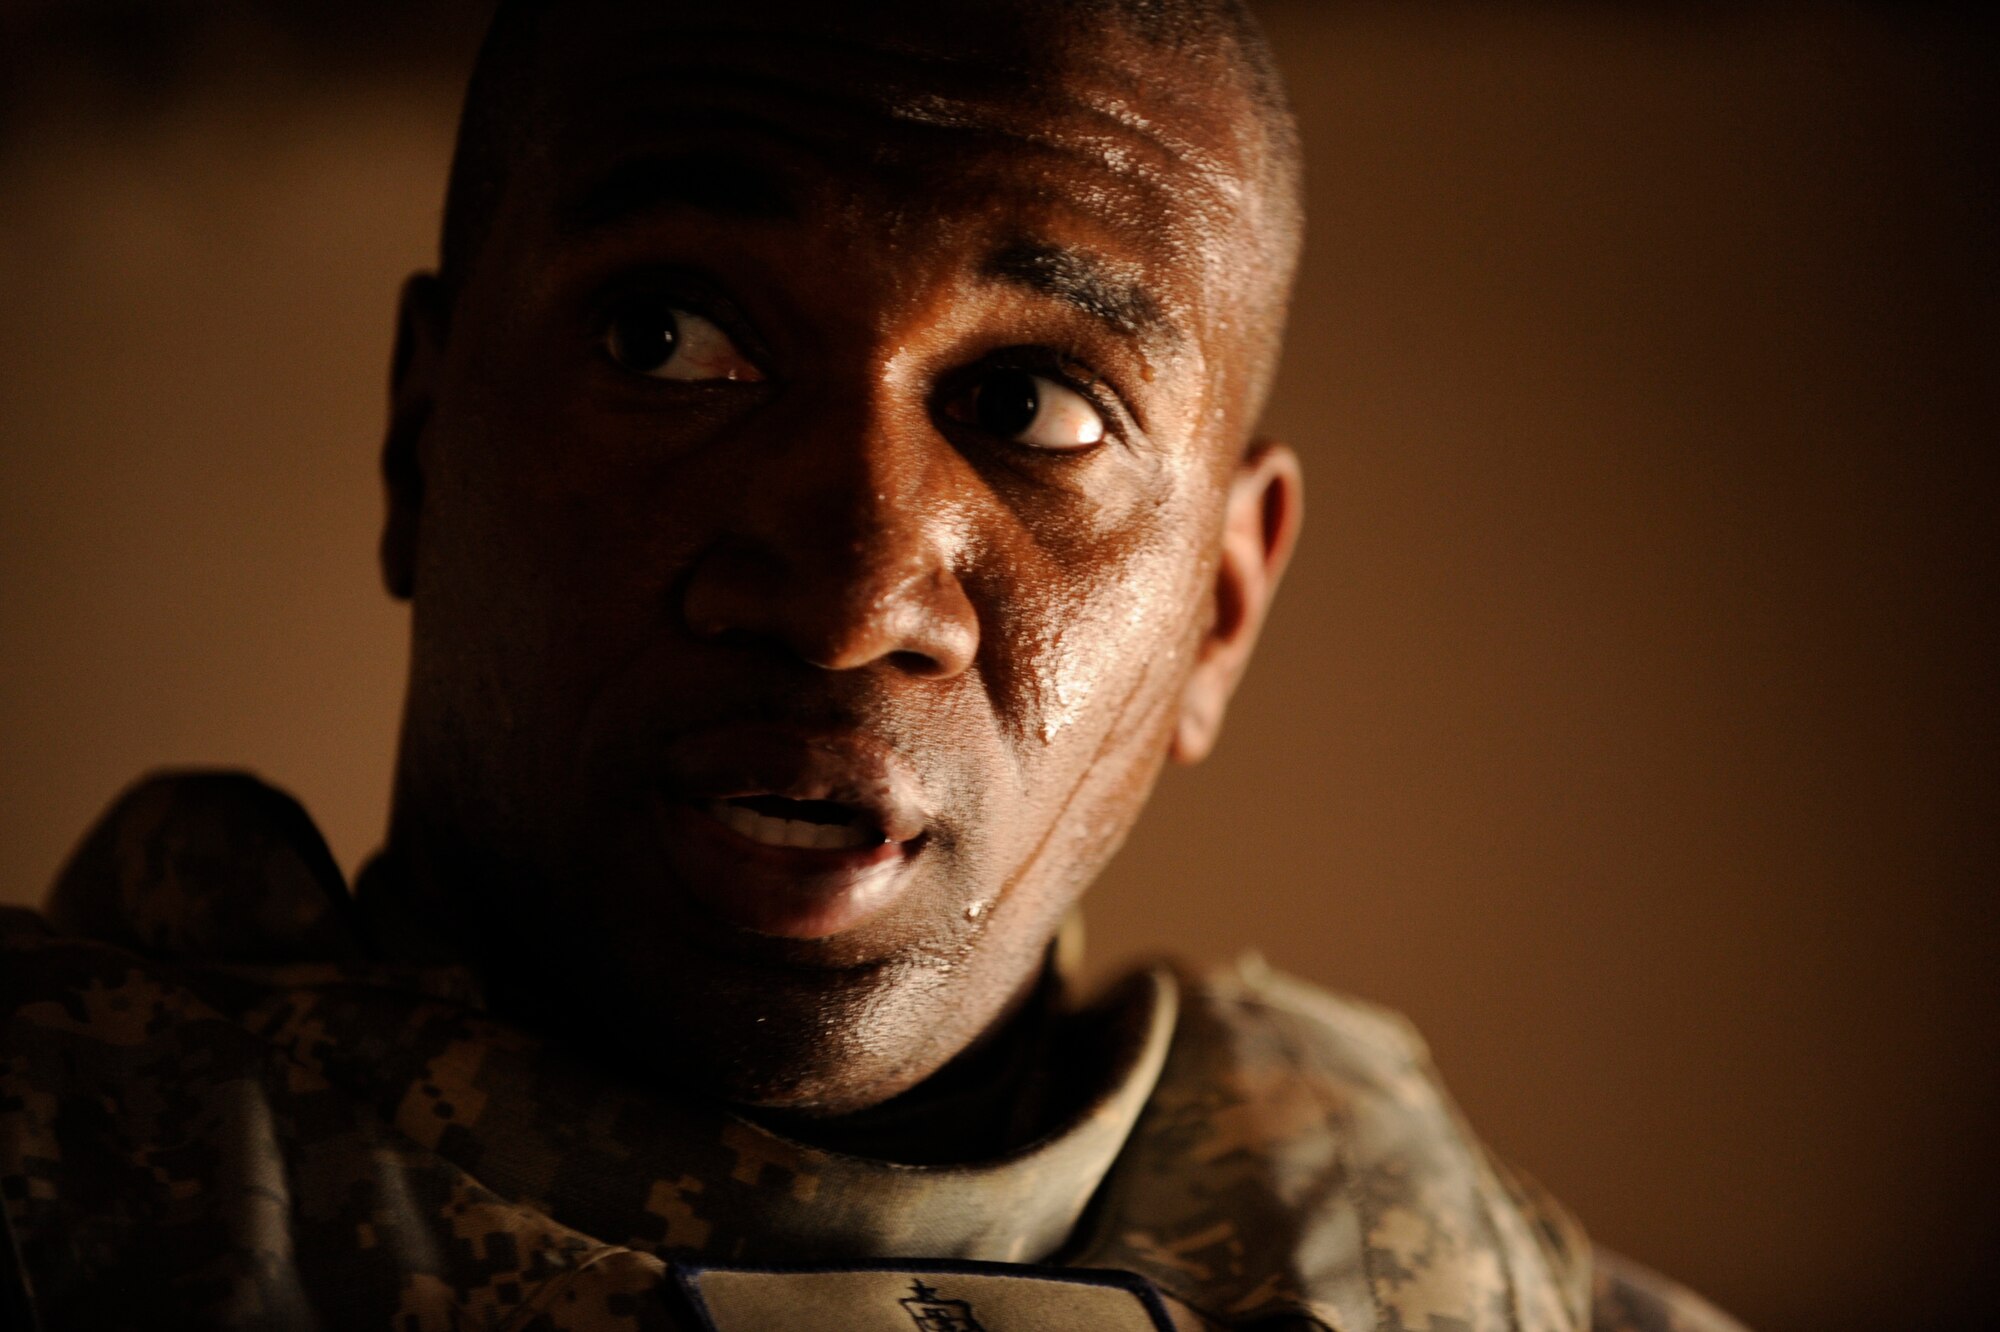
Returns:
(1629, 720)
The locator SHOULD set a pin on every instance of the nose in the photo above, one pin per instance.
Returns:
(842, 551)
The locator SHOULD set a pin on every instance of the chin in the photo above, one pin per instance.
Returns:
(822, 1063)
(805, 1040)
(641, 973)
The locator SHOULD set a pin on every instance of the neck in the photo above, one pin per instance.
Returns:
(1012, 1087)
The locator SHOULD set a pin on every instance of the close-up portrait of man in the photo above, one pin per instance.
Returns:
(831, 473)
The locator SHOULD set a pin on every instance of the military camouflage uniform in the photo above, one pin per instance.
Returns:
(220, 1108)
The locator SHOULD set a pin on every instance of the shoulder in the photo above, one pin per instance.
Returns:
(111, 991)
(1305, 1133)
(1374, 1044)
(1626, 1297)
(169, 1132)
(184, 874)
(1300, 1156)
(215, 866)
(119, 1028)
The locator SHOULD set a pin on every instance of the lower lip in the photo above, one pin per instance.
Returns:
(790, 892)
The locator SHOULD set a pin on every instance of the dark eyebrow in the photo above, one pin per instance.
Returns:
(714, 182)
(1087, 283)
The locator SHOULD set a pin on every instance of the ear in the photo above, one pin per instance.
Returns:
(1259, 528)
(413, 369)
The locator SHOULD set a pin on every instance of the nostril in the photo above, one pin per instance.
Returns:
(916, 663)
(728, 635)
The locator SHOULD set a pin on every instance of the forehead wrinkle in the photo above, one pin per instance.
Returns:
(1223, 179)
(1123, 196)
(1179, 191)
(969, 88)
(760, 100)
(1101, 126)
(1105, 133)
(1066, 108)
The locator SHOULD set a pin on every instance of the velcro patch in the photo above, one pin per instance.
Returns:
(922, 1297)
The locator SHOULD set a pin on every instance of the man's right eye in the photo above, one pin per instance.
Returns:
(651, 336)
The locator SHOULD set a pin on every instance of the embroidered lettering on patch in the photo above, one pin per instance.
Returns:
(921, 1297)
(932, 1313)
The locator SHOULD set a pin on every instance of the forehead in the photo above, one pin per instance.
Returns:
(1086, 151)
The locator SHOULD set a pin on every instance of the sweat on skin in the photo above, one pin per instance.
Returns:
(805, 443)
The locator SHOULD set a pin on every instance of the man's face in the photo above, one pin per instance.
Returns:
(822, 485)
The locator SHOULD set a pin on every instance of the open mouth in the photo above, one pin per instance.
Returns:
(796, 834)
(811, 825)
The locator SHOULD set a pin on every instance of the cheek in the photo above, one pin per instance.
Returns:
(1100, 671)
(569, 515)
(1092, 657)
(543, 565)
(1101, 614)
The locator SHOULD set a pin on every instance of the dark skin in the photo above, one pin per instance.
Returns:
(861, 444)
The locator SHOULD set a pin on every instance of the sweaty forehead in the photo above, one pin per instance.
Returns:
(1036, 116)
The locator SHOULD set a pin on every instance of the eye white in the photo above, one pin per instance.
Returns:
(1033, 410)
(704, 352)
(665, 342)
(1065, 419)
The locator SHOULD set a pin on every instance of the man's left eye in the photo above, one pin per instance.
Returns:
(652, 336)
(1030, 409)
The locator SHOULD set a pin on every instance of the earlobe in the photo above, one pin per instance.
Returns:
(420, 330)
(1259, 528)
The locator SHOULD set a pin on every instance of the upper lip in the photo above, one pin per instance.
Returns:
(845, 767)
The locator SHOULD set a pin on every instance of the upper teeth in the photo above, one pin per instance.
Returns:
(793, 832)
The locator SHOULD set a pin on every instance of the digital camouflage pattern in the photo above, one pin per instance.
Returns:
(220, 1107)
